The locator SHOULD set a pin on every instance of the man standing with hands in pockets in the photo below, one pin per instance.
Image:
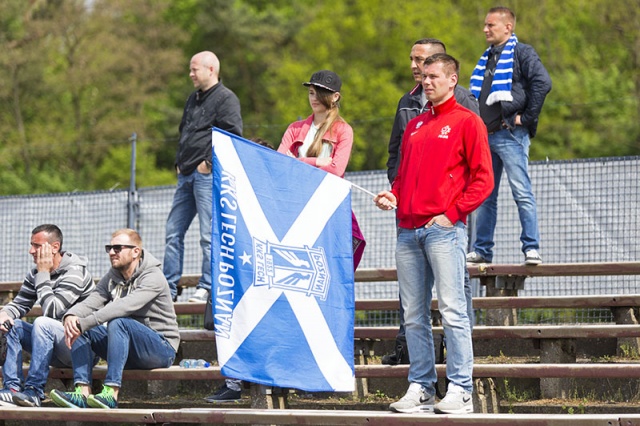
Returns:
(445, 173)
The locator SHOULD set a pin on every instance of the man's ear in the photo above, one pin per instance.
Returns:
(509, 27)
(55, 247)
(454, 78)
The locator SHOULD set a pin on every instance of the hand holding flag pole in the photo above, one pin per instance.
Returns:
(366, 191)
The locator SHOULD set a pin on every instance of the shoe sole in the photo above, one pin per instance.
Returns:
(532, 262)
(7, 404)
(465, 410)
(62, 402)
(94, 403)
(24, 403)
(218, 401)
(419, 409)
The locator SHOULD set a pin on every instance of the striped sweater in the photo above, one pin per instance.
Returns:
(56, 292)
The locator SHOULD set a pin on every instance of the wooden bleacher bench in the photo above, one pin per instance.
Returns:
(486, 273)
(520, 332)
(518, 370)
(515, 302)
(226, 415)
(544, 270)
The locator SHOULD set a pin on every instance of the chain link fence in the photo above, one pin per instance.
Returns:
(587, 209)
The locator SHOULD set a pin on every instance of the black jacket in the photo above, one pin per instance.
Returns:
(530, 85)
(217, 107)
(408, 108)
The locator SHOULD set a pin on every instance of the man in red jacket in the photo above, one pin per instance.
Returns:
(445, 173)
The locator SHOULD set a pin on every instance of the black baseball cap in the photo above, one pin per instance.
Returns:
(326, 79)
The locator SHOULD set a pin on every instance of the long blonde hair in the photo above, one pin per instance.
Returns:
(325, 96)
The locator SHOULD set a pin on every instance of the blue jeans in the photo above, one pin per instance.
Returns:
(468, 294)
(125, 344)
(44, 340)
(509, 151)
(426, 257)
(193, 195)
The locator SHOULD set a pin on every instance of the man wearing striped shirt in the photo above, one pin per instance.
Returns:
(59, 280)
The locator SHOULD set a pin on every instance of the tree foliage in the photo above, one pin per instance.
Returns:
(78, 77)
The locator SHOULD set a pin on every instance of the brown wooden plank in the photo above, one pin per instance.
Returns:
(10, 286)
(172, 373)
(377, 304)
(189, 335)
(520, 332)
(555, 269)
(600, 301)
(189, 280)
(544, 270)
(230, 415)
(381, 418)
(376, 275)
(475, 270)
(96, 415)
(189, 308)
(479, 332)
(557, 301)
(599, 370)
(631, 300)
(555, 332)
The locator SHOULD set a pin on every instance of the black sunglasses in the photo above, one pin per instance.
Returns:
(117, 248)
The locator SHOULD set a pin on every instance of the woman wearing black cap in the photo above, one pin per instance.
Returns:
(324, 139)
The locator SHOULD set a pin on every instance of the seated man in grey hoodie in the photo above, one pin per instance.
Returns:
(59, 280)
(129, 320)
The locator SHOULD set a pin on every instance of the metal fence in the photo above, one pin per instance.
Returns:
(587, 209)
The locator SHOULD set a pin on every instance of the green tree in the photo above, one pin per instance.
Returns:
(367, 43)
(77, 78)
(83, 79)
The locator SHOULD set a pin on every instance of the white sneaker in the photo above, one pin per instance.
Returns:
(474, 257)
(415, 400)
(456, 401)
(532, 257)
(201, 295)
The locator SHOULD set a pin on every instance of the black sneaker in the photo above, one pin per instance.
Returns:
(400, 356)
(28, 398)
(224, 394)
(389, 359)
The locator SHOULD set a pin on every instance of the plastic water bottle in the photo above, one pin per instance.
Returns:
(194, 363)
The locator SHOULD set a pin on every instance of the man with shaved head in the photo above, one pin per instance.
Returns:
(210, 105)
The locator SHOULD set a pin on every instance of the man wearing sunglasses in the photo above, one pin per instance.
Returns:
(129, 321)
(59, 280)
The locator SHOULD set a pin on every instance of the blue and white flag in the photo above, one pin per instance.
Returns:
(282, 269)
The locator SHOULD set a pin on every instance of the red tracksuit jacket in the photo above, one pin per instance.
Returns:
(445, 166)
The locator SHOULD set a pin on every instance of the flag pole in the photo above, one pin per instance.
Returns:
(365, 191)
(362, 189)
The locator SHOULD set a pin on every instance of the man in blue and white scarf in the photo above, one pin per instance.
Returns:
(511, 84)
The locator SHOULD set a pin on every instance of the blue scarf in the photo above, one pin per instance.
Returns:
(501, 84)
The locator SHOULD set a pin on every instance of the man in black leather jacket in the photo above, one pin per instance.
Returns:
(211, 104)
